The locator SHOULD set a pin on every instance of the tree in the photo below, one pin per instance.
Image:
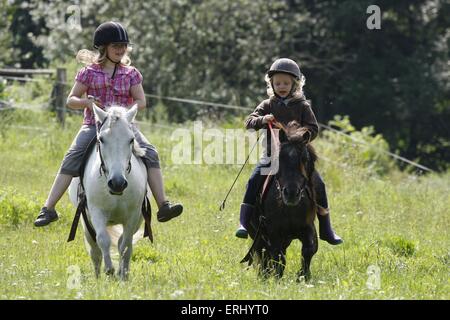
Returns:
(395, 78)
(20, 49)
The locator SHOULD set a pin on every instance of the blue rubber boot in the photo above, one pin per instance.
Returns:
(244, 218)
(326, 231)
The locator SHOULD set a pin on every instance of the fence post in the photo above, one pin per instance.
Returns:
(60, 96)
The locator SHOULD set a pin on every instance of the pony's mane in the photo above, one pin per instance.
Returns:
(298, 135)
(312, 152)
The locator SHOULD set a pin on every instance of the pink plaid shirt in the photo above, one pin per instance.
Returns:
(109, 91)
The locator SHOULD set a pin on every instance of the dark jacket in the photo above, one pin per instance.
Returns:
(298, 109)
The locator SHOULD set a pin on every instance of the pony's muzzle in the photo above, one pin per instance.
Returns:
(116, 185)
(291, 196)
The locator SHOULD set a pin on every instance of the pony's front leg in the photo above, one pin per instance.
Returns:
(277, 260)
(96, 257)
(94, 251)
(103, 239)
(309, 248)
(125, 250)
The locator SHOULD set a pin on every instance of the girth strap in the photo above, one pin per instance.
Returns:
(81, 210)
(147, 213)
(259, 236)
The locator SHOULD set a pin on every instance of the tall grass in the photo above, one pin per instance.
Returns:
(390, 220)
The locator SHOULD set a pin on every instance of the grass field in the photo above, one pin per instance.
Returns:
(393, 222)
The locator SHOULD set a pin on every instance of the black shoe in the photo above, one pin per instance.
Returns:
(169, 211)
(45, 217)
(326, 232)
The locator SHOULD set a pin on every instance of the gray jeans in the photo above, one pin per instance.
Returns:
(74, 156)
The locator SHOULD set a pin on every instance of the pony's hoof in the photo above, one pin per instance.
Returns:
(123, 276)
(302, 277)
(110, 272)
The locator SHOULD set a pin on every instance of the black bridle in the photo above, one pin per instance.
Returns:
(279, 190)
(102, 169)
(305, 183)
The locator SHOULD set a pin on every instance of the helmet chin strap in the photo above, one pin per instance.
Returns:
(115, 65)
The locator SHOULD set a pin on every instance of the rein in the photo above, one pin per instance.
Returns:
(277, 147)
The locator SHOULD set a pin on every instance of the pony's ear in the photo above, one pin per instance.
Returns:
(131, 113)
(100, 115)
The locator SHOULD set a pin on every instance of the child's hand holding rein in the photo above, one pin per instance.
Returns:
(91, 100)
(268, 118)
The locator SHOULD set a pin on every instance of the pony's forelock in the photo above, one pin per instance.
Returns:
(298, 139)
(118, 112)
(114, 114)
(295, 132)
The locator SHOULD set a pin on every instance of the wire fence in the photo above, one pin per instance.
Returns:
(198, 102)
(8, 106)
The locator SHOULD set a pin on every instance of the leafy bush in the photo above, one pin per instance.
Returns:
(359, 147)
(2, 88)
(16, 208)
(30, 94)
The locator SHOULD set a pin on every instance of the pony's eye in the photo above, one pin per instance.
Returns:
(132, 140)
(100, 139)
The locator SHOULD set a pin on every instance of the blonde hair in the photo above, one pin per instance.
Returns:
(298, 84)
(88, 57)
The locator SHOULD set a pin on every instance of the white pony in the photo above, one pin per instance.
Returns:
(115, 181)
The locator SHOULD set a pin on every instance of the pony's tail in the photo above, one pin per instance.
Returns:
(116, 231)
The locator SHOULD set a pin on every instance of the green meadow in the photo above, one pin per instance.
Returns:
(394, 223)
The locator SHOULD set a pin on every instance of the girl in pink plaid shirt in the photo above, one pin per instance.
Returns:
(108, 79)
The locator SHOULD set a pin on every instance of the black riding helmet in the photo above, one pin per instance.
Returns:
(285, 65)
(109, 32)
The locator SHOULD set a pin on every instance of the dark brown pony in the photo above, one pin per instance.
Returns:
(288, 209)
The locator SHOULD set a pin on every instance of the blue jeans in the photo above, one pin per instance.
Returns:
(74, 156)
(257, 179)
(254, 184)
